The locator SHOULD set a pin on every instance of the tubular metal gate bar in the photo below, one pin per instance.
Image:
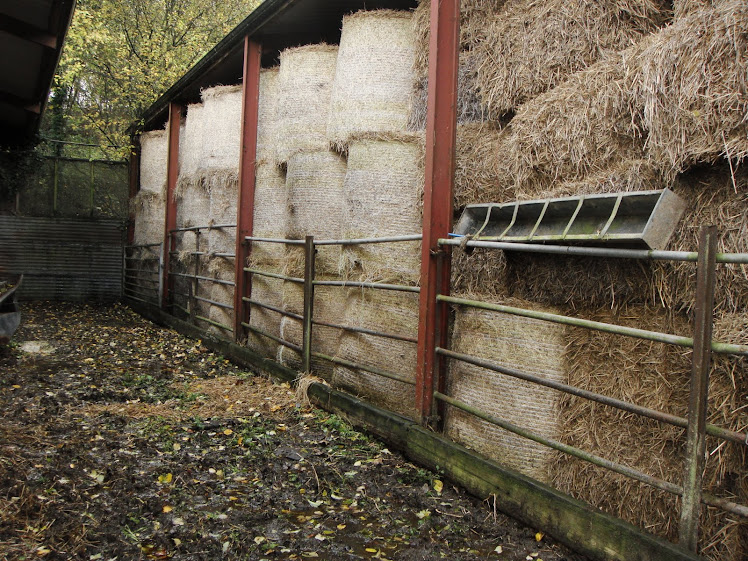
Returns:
(701, 343)
(193, 295)
(134, 276)
(307, 318)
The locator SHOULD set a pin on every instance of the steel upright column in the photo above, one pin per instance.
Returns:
(170, 219)
(441, 126)
(246, 198)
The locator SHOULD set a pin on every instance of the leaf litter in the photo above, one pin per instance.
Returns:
(129, 441)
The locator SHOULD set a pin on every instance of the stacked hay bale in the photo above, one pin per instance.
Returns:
(382, 198)
(270, 220)
(314, 186)
(668, 111)
(219, 168)
(150, 201)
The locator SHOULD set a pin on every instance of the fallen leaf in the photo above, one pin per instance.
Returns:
(438, 486)
(538, 536)
(165, 478)
(167, 508)
(499, 549)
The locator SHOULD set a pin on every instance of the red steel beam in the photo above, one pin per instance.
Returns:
(170, 218)
(441, 128)
(134, 186)
(245, 203)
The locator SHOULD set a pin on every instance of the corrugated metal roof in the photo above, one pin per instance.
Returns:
(277, 25)
(31, 36)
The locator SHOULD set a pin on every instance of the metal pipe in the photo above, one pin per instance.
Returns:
(381, 286)
(214, 303)
(726, 348)
(197, 228)
(274, 240)
(209, 279)
(138, 246)
(273, 308)
(361, 241)
(367, 332)
(139, 299)
(309, 254)
(274, 275)
(712, 430)
(370, 369)
(273, 337)
(217, 324)
(133, 258)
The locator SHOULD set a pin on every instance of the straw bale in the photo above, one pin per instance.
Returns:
(271, 214)
(387, 312)
(528, 345)
(683, 8)
(223, 202)
(268, 291)
(473, 14)
(154, 149)
(150, 209)
(657, 376)
(383, 190)
(225, 316)
(529, 47)
(193, 205)
(470, 108)
(373, 77)
(316, 200)
(692, 85)
(304, 90)
(191, 147)
(222, 117)
(267, 114)
(329, 307)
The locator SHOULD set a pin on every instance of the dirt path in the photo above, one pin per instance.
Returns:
(122, 440)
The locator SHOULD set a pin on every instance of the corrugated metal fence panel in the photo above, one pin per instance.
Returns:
(63, 259)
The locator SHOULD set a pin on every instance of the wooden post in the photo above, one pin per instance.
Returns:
(170, 218)
(441, 127)
(697, 403)
(246, 197)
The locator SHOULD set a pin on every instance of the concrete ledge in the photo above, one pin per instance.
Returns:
(582, 528)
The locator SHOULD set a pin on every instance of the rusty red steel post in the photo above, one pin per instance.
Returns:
(441, 127)
(308, 319)
(697, 402)
(170, 218)
(133, 179)
(246, 196)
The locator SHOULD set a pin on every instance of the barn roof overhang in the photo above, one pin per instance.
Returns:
(32, 33)
(276, 25)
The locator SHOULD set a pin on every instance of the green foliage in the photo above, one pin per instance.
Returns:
(120, 56)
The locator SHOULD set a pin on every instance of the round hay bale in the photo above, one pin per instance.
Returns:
(223, 201)
(692, 87)
(683, 8)
(383, 190)
(655, 376)
(528, 345)
(304, 89)
(388, 312)
(329, 307)
(529, 47)
(149, 204)
(268, 291)
(225, 316)
(373, 77)
(222, 117)
(271, 214)
(316, 201)
(267, 114)
(191, 147)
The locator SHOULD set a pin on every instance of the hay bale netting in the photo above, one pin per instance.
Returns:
(267, 115)
(316, 201)
(373, 77)
(692, 85)
(657, 376)
(304, 89)
(529, 47)
(269, 291)
(271, 212)
(329, 307)
(383, 188)
(388, 312)
(149, 205)
(528, 345)
(222, 114)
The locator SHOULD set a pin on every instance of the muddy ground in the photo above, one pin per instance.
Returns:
(122, 440)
